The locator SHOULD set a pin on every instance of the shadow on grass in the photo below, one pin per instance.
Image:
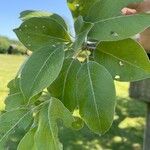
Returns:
(126, 132)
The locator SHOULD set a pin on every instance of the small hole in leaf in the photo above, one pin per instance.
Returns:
(117, 77)
(115, 34)
(121, 63)
(77, 5)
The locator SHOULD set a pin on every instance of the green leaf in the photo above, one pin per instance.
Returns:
(44, 136)
(41, 70)
(78, 24)
(47, 132)
(78, 124)
(11, 119)
(35, 33)
(25, 15)
(119, 28)
(17, 100)
(14, 86)
(69, 53)
(20, 118)
(80, 7)
(64, 87)
(96, 97)
(28, 141)
(104, 9)
(82, 29)
(126, 60)
(57, 111)
(14, 101)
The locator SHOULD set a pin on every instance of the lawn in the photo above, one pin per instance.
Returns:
(8, 68)
(126, 132)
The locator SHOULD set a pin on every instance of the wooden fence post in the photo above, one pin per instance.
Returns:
(146, 144)
(140, 90)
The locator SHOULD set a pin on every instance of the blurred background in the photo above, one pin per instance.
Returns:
(127, 130)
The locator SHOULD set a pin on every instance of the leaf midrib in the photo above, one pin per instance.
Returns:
(49, 123)
(117, 17)
(65, 80)
(46, 35)
(118, 58)
(8, 132)
(34, 81)
(93, 95)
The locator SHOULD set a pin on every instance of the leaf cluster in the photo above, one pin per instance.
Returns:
(66, 73)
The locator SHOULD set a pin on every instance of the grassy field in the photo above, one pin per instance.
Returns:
(8, 68)
(126, 132)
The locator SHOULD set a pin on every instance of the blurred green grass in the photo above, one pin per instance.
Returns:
(126, 132)
(9, 65)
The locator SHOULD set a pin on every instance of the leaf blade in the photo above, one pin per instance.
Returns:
(80, 7)
(37, 76)
(47, 132)
(119, 28)
(96, 96)
(82, 29)
(125, 59)
(22, 118)
(64, 87)
(27, 141)
(36, 32)
(25, 15)
(99, 10)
